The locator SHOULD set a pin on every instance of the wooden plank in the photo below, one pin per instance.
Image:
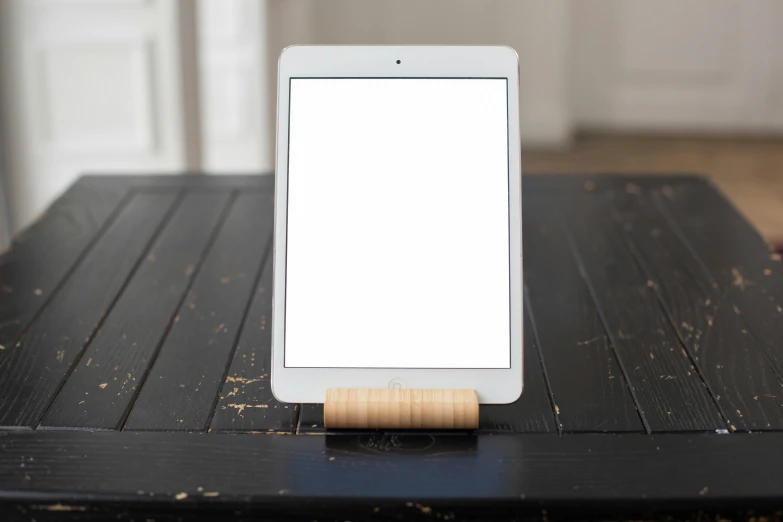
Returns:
(730, 359)
(311, 419)
(348, 477)
(41, 256)
(531, 413)
(32, 371)
(385, 408)
(669, 390)
(598, 183)
(265, 181)
(102, 387)
(192, 181)
(746, 272)
(589, 387)
(59, 511)
(246, 402)
(182, 387)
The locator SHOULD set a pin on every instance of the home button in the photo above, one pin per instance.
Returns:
(398, 384)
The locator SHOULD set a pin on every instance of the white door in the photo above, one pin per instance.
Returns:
(236, 111)
(94, 86)
(671, 65)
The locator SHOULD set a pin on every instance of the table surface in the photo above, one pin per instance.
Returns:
(135, 346)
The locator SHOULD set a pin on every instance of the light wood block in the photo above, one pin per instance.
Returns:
(401, 409)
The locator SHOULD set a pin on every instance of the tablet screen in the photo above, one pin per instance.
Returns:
(398, 223)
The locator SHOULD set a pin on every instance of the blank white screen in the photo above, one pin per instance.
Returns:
(397, 235)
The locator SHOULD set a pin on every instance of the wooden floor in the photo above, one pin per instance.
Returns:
(748, 170)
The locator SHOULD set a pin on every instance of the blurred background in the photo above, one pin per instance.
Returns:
(166, 86)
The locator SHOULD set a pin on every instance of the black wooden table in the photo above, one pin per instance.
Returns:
(134, 366)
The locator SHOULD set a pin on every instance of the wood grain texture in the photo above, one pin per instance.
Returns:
(534, 411)
(246, 402)
(401, 409)
(329, 478)
(596, 184)
(32, 371)
(669, 390)
(746, 168)
(588, 279)
(746, 273)
(102, 387)
(192, 181)
(41, 256)
(310, 419)
(722, 349)
(588, 385)
(183, 385)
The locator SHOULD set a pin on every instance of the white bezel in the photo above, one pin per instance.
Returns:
(494, 386)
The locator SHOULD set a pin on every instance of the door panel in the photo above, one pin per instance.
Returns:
(675, 65)
(95, 86)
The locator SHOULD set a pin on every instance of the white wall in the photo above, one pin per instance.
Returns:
(95, 87)
(5, 214)
(537, 29)
(678, 65)
(147, 86)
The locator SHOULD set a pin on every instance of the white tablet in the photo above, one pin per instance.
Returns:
(398, 221)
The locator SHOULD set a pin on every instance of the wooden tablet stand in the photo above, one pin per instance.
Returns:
(401, 409)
